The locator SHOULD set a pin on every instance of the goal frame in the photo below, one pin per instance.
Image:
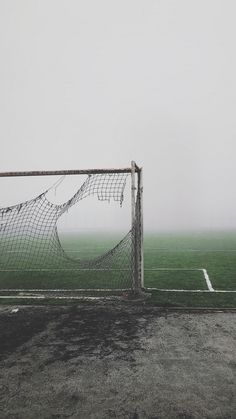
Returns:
(136, 174)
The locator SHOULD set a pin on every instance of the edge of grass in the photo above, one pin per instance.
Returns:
(155, 298)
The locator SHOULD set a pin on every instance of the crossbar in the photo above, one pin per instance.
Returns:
(67, 172)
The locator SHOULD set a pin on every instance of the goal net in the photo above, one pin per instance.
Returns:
(31, 253)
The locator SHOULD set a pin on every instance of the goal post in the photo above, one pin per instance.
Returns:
(137, 225)
(33, 258)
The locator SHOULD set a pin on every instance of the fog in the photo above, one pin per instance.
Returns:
(96, 84)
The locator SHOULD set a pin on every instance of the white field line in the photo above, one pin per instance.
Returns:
(43, 297)
(206, 276)
(62, 270)
(64, 290)
(93, 269)
(208, 282)
(189, 250)
(178, 290)
(204, 271)
(96, 298)
(173, 269)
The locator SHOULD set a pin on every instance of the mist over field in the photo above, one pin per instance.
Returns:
(97, 84)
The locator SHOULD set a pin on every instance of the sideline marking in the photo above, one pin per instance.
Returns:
(178, 290)
(43, 297)
(62, 270)
(189, 250)
(63, 290)
(64, 297)
(173, 269)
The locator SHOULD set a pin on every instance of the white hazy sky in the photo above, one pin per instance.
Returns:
(88, 83)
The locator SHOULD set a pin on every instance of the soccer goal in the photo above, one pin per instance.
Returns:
(32, 257)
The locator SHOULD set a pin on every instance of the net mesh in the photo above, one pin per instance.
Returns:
(31, 254)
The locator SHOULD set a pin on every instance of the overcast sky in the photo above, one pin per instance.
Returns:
(97, 83)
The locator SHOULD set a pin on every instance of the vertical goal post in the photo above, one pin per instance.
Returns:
(22, 241)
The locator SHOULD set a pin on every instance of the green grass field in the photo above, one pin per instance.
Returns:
(214, 252)
(179, 263)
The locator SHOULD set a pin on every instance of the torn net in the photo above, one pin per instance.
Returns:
(31, 253)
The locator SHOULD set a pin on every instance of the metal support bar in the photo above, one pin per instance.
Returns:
(133, 220)
(133, 188)
(140, 175)
(68, 172)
